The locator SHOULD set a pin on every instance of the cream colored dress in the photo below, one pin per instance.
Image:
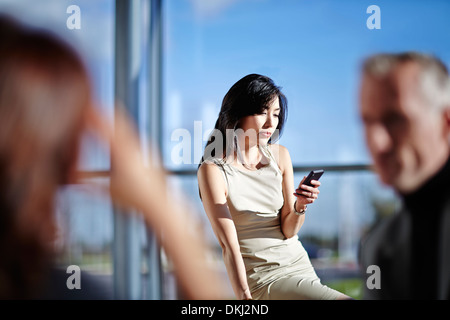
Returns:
(277, 267)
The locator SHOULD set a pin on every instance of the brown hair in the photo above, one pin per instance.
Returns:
(44, 96)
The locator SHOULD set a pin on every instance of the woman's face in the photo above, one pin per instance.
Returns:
(260, 127)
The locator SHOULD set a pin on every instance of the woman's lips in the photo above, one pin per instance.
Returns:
(265, 134)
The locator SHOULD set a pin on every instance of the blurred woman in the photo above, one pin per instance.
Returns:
(46, 104)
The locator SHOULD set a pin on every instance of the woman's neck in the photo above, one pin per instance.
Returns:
(249, 155)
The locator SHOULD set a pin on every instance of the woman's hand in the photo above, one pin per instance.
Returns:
(306, 194)
(132, 183)
(247, 295)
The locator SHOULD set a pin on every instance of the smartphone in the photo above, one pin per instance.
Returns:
(313, 175)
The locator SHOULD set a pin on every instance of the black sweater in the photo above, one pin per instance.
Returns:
(412, 247)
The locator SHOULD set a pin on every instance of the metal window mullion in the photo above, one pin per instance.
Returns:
(126, 246)
(155, 273)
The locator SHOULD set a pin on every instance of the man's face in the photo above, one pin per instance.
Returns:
(406, 137)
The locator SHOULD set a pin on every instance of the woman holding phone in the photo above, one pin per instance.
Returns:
(246, 184)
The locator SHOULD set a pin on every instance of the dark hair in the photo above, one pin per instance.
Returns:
(249, 96)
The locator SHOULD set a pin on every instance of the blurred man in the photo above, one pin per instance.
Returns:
(405, 108)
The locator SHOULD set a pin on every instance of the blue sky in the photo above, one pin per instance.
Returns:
(312, 49)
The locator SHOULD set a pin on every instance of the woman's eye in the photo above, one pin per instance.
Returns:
(276, 115)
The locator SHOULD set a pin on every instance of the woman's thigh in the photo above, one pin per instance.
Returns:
(299, 288)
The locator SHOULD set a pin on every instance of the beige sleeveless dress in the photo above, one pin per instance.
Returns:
(277, 267)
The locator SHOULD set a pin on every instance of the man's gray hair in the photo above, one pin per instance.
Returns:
(434, 76)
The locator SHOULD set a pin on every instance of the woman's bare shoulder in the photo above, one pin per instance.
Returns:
(281, 155)
(208, 167)
(211, 178)
(210, 171)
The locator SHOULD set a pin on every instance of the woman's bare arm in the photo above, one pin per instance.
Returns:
(291, 223)
(213, 192)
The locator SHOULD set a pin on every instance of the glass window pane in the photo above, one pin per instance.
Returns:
(85, 218)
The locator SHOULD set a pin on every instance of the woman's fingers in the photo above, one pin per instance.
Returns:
(303, 200)
(307, 194)
(316, 183)
(307, 191)
(312, 189)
